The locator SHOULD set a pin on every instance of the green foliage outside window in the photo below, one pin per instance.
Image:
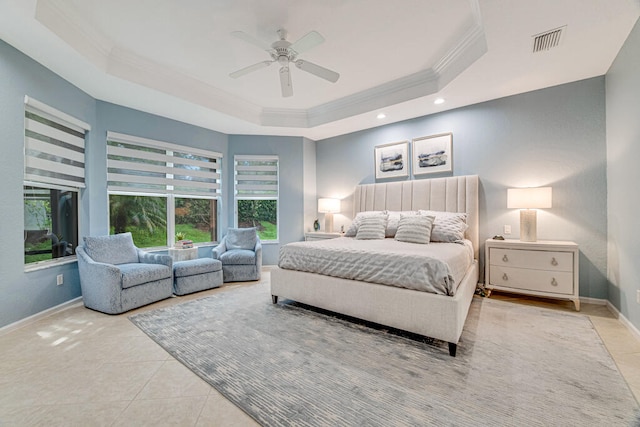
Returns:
(144, 216)
(196, 219)
(262, 214)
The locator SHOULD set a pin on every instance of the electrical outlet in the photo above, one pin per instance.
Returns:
(59, 279)
(507, 229)
(638, 296)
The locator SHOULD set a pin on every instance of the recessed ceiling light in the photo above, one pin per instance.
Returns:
(381, 116)
(438, 101)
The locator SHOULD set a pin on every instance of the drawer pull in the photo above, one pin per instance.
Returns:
(554, 282)
(505, 277)
(504, 258)
(554, 262)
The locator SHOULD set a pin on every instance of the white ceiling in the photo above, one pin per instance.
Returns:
(173, 58)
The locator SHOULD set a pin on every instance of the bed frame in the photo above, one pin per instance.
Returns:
(436, 316)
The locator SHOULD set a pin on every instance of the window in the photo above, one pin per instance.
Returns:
(159, 190)
(256, 194)
(53, 177)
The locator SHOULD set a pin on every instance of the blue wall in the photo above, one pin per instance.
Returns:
(623, 174)
(291, 196)
(551, 137)
(24, 294)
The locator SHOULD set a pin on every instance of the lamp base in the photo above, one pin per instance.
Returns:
(528, 227)
(328, 222)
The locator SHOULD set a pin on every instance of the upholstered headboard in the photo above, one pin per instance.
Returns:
(454, 194)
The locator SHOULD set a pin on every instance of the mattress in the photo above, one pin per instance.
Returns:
(435, 267)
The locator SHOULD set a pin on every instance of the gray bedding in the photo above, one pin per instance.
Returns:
(434, 267)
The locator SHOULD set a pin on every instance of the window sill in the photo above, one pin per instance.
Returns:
(43, 265)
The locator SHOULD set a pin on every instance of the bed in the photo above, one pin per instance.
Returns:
(438, 316)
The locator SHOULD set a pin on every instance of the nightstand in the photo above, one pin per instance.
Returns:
(544, 268)
(320, 235)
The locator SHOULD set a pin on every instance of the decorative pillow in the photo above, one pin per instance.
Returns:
(115, 249)
(353, 228)
(393, 219)
(372, 227)
(415, 228)
(241, 238)
(448, 226)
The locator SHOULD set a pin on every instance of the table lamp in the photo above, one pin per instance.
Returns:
(328, 207)
(528, 200)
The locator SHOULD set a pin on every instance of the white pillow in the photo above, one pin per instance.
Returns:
(448, 226)
(353, 228)
(393, 220)
(372, 227)
(415, 228)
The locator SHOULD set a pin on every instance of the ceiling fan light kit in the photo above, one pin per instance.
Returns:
(284, 52)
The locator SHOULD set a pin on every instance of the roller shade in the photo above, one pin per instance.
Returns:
(143, 165)
(256, 176)
(54, 146)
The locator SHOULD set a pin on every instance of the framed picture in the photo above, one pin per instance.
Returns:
(432, 154)
(392, 160)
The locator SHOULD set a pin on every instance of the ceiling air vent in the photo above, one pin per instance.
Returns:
(548, 39)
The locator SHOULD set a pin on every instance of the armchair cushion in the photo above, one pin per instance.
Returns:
(115, 249)
(135, 274)
(241, 238)
(239, 257)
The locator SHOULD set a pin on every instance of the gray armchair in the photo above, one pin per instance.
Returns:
(115, 276)
(240, 252)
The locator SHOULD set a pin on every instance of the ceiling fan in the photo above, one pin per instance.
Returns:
(284, 52)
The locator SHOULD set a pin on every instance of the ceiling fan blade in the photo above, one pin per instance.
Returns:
(252, 40)
(250, 69)
(285, 82)
(316, 70)
(308, 41)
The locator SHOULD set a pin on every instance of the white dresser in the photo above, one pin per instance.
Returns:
(545, 268)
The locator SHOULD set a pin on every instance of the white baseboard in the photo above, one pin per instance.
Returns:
(38, 316)
(632, 328)
(595, 301)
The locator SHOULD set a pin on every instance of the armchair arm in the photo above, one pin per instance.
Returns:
(149, 258)
(258, 251)
(220, 249)
(101, 283)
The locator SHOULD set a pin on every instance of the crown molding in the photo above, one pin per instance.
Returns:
(70, 27)
(135, 68)
(122, 63)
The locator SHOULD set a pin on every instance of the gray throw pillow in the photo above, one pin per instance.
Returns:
(372, 227)
(449, 227)
(353, 228)
(115, 249)
(415, 228)
(241, 238)
(394, 219)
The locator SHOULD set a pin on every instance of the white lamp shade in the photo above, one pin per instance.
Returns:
(529, 198)
(328, 205)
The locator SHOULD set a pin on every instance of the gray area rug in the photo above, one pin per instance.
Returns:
(287, 365)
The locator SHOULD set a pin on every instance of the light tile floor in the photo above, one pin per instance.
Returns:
(80, 367)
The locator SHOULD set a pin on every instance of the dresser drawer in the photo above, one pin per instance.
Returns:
(557, 282)
(537, 260)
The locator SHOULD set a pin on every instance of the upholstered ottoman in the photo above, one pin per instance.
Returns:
(196, 275)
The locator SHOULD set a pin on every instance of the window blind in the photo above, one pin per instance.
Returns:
(256, 176)
(53, 147)
(143, 165)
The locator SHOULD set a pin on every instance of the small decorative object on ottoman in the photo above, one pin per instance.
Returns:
(196, 275)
